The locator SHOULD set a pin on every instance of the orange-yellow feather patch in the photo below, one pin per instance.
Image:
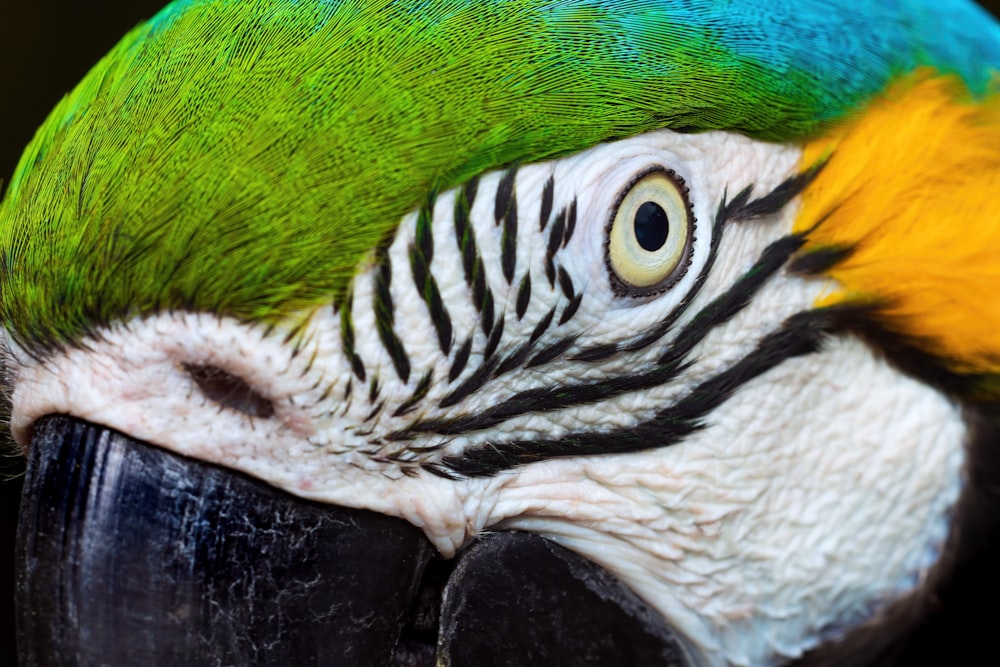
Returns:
(912, 186)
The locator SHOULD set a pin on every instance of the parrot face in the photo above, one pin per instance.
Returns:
(699, 360)
(499, 392)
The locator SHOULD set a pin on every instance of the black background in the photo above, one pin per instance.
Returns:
(46, 46)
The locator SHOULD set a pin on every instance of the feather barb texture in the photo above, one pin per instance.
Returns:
(910, 190)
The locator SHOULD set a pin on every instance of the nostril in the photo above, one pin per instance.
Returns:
(229, 390)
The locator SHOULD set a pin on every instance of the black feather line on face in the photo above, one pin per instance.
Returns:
(800, 335)
(570, 223)
(670, 364)
(494, 340)
(778, 198)
(821, 260)
(463, 235)
(385, 317)
(542, 326)
(570, 310)
(461, 359)
(508, 240)
(424, 238)
(565, 283)
(418, 395)
(555, 241)
(476, 380)
(486, 318)
(735, 299)
(504, 200)
(553, 351)
(421, 253)
(472, 261)
(347, 336)
(523, 296)
(374, 412)
(515, 359)
(439, 471)
(548, 194)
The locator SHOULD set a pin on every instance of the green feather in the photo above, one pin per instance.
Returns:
(242, 158)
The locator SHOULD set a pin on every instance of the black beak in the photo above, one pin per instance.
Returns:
(131, 555)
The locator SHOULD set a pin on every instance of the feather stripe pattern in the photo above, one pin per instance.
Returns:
(671, 361)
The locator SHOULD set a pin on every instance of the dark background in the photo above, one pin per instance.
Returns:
(46, 46)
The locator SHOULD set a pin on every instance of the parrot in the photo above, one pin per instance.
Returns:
(512, 332)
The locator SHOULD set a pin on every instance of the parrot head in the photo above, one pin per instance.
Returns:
(509, 332)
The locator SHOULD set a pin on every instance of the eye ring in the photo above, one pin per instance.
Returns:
(649, 240)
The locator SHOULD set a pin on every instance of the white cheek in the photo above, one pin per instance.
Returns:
(820, 491)
(816, 492)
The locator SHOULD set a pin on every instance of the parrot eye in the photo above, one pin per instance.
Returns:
(650, 237)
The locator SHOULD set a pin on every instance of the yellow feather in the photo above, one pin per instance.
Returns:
(912, 186)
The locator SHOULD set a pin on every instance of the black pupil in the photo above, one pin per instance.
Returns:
(651, 226)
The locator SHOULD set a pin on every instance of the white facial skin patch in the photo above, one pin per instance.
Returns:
(814, 491)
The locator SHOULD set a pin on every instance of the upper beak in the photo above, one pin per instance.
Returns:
(131, 555)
